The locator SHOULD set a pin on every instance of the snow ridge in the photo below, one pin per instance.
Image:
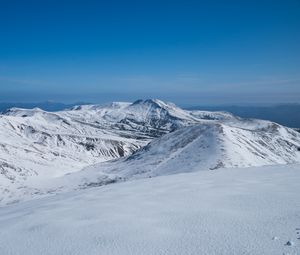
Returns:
(205, 146)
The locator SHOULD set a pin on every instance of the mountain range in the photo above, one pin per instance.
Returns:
(42, 152)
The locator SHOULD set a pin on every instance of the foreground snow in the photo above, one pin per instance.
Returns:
(226, 211)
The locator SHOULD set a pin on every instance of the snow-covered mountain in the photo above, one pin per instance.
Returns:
(42, 152)
(34, 142)
(208, 145)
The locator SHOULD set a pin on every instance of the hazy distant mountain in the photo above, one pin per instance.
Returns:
(285, 114)
(46, 106)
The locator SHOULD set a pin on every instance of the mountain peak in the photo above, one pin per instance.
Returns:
(154, 102)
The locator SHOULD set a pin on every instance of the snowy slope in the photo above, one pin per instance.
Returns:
(214, 145)
(34, 142)
(206, 146)
(237, 211)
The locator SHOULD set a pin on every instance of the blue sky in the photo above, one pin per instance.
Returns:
(188, 52)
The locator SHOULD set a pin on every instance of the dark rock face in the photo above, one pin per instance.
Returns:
(88, 146)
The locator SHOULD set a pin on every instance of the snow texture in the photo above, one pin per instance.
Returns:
(230, 211)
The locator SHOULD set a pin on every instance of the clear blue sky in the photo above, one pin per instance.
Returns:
(188, 52)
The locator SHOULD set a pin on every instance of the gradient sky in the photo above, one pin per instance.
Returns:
(188, 52)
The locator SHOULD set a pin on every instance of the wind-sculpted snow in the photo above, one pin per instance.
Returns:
(42, 153)
(234, 211)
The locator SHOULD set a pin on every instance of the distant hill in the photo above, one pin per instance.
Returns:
(285, 114)
(46, 106)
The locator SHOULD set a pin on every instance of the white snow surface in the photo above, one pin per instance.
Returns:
(253, 210)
